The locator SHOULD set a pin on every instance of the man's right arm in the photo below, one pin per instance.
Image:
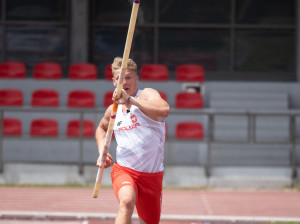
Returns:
(101, 133)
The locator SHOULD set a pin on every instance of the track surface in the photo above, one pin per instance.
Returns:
(76, 205)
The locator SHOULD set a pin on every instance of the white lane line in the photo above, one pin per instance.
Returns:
(163, 216)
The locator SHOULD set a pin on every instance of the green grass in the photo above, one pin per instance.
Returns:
(297, 187)
(284, 222)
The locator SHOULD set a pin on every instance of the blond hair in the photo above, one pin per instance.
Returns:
(131, 65)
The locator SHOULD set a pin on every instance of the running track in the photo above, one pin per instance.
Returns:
(222, 205)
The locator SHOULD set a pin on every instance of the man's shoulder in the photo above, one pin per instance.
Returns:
(148, 93)
(148, 90)
(108, 111)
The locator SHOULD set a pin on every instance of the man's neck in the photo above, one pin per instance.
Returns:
(135, 93)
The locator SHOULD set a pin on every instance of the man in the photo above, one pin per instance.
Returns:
(140, 134)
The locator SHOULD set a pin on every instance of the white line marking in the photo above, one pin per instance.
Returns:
(163, 217)
(206, 204)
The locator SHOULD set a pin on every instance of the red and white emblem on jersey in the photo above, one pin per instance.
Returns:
(133, 118)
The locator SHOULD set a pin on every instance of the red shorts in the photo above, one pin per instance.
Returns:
(148, 190)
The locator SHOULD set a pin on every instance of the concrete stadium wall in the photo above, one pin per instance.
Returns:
(234, 165)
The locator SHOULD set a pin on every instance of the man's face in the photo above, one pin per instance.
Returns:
(130, 81)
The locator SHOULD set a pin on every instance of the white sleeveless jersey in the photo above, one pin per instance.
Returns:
(140, 140)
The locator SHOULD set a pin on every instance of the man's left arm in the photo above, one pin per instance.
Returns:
(151, 103)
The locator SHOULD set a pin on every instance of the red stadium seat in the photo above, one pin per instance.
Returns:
(83, 71)
(81, 98)
(108, 73)
(12, 70)
(11, 97)
(45, 98)
(12, 126)
(44, 127)
(154, 72)
(163, 95)
(47, 70)
(189, 100)
(73, 128)
(189, 73)
(189, 130)
(107, 100)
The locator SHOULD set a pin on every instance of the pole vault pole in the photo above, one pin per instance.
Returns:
(105, 149)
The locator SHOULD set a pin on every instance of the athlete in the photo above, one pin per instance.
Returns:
(139, 130)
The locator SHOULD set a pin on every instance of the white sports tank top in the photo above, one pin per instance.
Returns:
(140, 140)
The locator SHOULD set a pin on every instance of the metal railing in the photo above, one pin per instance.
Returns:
(80, 138)
(208, 139)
